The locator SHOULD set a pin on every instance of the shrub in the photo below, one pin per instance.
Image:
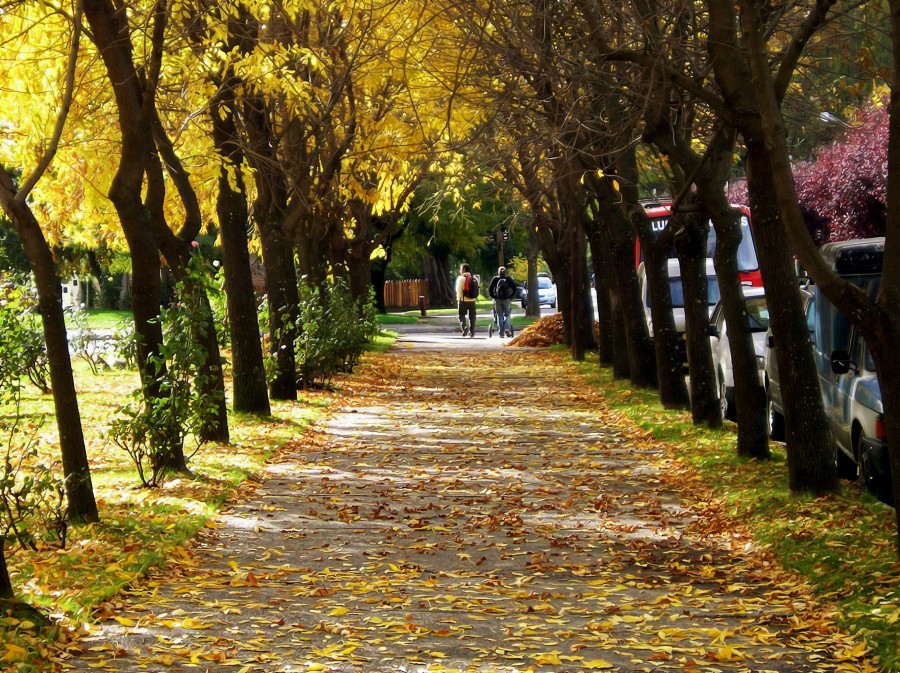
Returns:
(150, 428)
(333, 331)
(22, 348)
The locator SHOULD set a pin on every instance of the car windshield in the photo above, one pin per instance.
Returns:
(746, 249)
(544, 283)
(678, 291)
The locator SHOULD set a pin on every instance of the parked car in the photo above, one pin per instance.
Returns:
(847, 378)
(546, 292)
(677, 292)
(758, 315)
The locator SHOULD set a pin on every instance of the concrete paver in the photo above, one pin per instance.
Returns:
(472, 508)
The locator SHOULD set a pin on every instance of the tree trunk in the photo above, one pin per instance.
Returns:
(889, 296)
(641, 356)
(79, 490)
(110, 34)
(570, 284)
(810, 460)
(532, 306)
(250, 394)
(359, 270)
(284, 300)
(749, 398)
(377, 272)
(436, 270)
(809, 451)
(691, 245)
(602, 281)
(673, 392)
(6, 587)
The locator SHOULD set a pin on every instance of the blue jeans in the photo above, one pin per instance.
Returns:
(503, 309)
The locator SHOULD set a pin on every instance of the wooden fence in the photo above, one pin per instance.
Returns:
(405, 293)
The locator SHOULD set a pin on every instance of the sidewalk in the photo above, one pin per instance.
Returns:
(471, 509)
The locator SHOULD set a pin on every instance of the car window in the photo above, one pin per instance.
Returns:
(677, 291)
(758, 312)
(746, 252)
(868, 361)
(544, 282)
(811, 320)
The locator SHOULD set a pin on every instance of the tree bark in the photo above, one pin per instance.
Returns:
(79, 490)
(673, 391)
(135, 108)
(810, 456)
(641, 356)
(602, 282)
(690, 246)
(749, 398)
(284, 300)
(811, 465)
(250, 394)
(6, 587)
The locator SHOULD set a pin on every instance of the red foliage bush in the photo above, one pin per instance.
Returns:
(843, 191)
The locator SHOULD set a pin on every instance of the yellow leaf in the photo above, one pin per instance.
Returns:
(597, 664)
(14, 653)
(338, 612)
(124, 621)
(191, 623)
(728, 653)
(548, 659)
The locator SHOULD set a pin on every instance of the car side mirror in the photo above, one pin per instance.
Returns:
(770, 341)
(841, 362)
(714, 331)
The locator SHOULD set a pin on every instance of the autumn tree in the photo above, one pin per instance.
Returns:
(145, 150)
(39, 136)
(878, 319)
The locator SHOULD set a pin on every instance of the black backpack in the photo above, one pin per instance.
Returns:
(503, 289)
(470, 289)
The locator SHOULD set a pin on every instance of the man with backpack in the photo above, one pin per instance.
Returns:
(466, 294)
(502, 289)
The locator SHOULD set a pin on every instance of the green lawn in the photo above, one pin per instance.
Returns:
(101, 318)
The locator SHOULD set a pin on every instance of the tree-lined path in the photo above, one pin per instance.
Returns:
(471, 508)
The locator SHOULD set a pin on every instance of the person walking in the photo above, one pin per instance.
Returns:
(466, 295)
(502, 289)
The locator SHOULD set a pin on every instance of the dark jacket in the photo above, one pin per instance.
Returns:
(492, 288)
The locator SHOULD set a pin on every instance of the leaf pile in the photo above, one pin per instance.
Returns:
(547, 331)
(429, 530)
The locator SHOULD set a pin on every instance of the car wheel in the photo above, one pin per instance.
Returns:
(726, 400)
(775, 419)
